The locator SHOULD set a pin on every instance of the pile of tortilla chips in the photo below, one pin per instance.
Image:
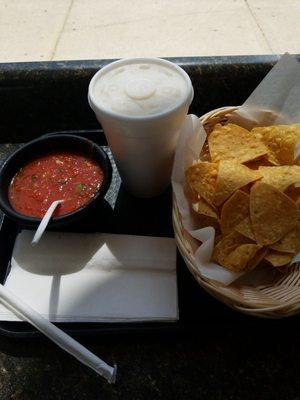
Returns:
(247, 192)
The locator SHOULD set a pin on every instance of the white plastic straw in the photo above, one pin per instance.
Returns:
(57, 335)
(44, 222)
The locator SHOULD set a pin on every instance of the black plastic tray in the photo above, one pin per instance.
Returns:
(122, 213)
(118, 213)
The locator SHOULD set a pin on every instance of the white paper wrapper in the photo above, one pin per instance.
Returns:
(275, 100)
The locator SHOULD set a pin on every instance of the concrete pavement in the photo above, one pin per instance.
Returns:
(40, 30)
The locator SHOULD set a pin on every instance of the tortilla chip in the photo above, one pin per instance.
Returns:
(281, 177)
(203, 208)
(203, 221)
(232, 142)
(246, 189)
(278, 259)
(226, 245)
(280, 141)
(204, 154)
(245, 228)
(294, 194)
(239, 258)
(202, 178)
(234, 210)
(190, 194)
(261, 162)
(296, 129)
(273, 214)
(289, 243)
(232, 176)
(218, 238)
(206, 214)
(257, 259)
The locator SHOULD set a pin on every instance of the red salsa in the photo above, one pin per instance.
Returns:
(66, 176)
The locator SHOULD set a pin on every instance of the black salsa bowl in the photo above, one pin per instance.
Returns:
(43, 146)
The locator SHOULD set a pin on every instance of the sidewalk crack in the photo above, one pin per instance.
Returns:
(62, 29)
(258, 25)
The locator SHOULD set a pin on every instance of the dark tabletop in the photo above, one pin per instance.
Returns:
(218, 359)
(222, 365)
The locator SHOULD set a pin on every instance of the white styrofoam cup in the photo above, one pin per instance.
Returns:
(143, 146)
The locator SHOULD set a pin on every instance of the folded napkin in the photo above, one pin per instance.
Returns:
(95, 277)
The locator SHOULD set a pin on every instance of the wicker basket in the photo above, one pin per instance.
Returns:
(280, 297)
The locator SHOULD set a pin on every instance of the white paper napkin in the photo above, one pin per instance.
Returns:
(95, 277)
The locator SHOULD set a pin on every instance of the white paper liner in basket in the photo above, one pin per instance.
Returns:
(275, 100)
